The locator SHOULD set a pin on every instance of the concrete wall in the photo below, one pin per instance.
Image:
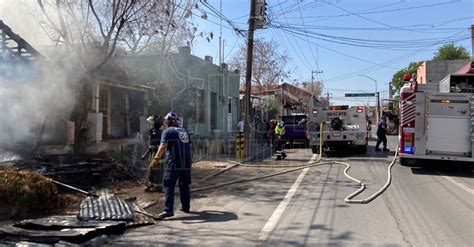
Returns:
(435, 71)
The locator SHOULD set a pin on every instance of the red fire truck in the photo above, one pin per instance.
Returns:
(437, 120)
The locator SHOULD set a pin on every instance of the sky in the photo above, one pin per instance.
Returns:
(343, 39)
(348, 40)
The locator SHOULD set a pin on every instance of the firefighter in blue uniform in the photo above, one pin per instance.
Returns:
(176, 145)
(381, 134)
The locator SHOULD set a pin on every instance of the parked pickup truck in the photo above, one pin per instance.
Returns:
(295, 128)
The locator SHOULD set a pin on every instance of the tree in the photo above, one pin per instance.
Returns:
(273, 108)
(165, 28)
(268, 63)
(451, 52)
(89, 27)
(397, 78)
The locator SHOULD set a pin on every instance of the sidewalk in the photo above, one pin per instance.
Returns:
(258, 153)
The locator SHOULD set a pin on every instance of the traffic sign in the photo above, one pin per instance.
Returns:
(359, 95)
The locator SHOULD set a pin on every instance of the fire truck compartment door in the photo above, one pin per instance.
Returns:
(448, 134)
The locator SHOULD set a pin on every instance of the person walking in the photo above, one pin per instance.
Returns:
(381, 134)
(176, 145)
(279, 133)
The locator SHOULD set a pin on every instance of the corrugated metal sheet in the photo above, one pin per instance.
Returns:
(106, 207)
(60, 222)
(140, 219)
(56, 228)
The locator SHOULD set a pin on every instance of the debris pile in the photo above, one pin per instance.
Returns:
(98, 217)
(26, 194)
(80, 172)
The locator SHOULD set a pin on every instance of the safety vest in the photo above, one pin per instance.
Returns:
(278, 130)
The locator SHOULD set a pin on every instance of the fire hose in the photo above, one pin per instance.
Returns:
(316, 162)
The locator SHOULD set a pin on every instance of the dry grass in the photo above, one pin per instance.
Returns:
(26, 194)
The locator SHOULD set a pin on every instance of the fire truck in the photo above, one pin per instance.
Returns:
(343, 127)
(437, 120)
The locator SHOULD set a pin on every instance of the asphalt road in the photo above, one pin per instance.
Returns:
(422, 207)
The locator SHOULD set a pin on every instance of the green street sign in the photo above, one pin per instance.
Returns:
(359, 95)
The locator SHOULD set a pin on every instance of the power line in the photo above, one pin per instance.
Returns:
(310, 45)
(412, 8)
(363, 17)
(217, 14)
(305, 61)
(376, 44)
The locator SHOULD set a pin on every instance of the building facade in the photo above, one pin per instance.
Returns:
(435, 71)
(204, 94)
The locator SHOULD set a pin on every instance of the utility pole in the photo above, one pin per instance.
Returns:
(472, 42)
(328, 95)
(312, 85)
(312, 78)
(390, 90)
(248, 76)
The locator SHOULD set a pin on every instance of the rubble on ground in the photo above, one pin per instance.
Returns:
(98, 217)
(26, 194)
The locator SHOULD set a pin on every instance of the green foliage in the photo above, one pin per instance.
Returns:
(397, 79)
(451, 52)
(273, 109)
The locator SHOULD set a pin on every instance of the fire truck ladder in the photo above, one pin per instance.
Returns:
(11, 44)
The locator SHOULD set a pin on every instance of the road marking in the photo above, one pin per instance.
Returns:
(273, 220)
(313, 158)
(459, 184)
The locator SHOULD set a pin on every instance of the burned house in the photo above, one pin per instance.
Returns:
(38, 98)
(118, 110)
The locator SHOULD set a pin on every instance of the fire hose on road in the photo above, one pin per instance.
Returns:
(315, 163)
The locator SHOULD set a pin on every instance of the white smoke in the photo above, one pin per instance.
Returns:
(33, 96)
(8, 156)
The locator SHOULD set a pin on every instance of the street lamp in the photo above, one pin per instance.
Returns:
(377, 107)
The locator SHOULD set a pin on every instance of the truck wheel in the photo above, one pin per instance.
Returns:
(404, 162)
(315, 149)
(362, 149)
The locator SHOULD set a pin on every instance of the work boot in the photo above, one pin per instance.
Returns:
(154, 188)
(184, 210)
(163, 215)
(386, 149)
(283, 155)
(377, 149)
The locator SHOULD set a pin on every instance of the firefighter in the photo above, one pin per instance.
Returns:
(176, 145)
(155, 174)
(279, 133)
(381, 134)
